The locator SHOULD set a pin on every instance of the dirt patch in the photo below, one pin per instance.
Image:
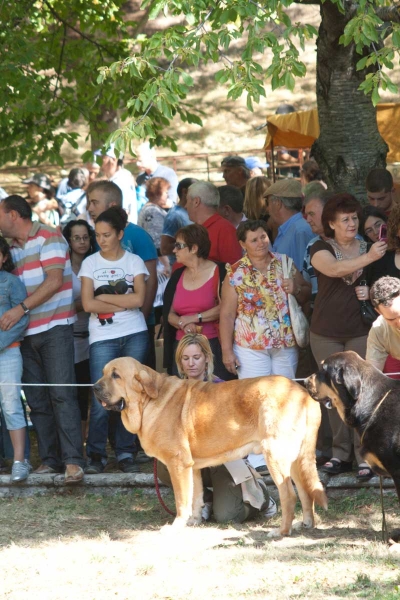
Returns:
(97, 548)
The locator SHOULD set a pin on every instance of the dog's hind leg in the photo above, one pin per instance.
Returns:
(279, 468)
(307, 502)
(198, 501)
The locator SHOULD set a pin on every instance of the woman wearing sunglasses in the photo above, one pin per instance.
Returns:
(192, 297)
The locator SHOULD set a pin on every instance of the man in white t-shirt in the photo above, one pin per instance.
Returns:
(112, 167)
(384, 335)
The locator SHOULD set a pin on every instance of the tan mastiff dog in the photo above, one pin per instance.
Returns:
(189, 424)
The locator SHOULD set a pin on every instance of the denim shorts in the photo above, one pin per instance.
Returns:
(10, 396)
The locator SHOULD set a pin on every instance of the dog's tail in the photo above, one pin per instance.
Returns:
(306, 462)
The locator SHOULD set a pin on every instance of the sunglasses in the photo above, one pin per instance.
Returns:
(180, 246)
(78, 238)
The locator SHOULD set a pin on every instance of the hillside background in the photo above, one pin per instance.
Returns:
(228, 126)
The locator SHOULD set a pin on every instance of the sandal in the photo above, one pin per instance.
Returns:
(364, 472)
(335, 466)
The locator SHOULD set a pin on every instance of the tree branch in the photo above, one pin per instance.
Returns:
(316, 2)
(389, 13)
(99, 46)
(60, 62)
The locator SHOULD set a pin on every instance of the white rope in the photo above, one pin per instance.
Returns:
(91, 384)
(47, 384)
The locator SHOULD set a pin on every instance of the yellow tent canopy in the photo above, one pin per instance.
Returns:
(301, 129)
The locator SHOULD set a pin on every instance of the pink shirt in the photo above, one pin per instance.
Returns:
(189, 302)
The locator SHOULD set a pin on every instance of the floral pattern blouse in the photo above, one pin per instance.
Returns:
(263, 320)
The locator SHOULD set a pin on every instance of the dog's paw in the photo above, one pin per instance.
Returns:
(276, 533)
(193, 521)
(308, 524)
(179, 523)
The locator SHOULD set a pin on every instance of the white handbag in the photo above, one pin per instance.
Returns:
(300, 326)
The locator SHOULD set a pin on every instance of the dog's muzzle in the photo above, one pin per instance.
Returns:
(312, 389)
(310, 386)
(104, 398)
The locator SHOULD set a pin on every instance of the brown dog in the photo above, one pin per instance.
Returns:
(189, 424)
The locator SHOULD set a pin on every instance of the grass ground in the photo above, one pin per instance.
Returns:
(92, 548)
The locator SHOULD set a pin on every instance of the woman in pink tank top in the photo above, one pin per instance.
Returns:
(195, 302)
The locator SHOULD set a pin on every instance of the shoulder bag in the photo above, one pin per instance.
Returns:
(300, 326)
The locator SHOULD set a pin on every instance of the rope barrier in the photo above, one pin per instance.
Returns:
(91, 384)
(48, 384)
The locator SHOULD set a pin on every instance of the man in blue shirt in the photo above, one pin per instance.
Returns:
(285, 200)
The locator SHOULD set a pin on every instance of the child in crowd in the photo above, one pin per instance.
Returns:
(12, 293)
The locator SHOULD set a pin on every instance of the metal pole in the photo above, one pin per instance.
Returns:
(273, 161)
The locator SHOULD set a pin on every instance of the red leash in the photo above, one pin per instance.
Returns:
(165, 507)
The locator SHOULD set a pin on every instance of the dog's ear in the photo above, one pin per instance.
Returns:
(349, 376)
(352, 380)
(149, 383)
(136, 385)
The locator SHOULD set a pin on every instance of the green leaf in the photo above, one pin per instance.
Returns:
(375, 97)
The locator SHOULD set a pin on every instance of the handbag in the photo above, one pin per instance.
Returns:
(368, 314)
(300, 326)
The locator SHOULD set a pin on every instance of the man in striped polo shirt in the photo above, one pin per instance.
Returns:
(41, 259)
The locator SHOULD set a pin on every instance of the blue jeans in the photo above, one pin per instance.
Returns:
(135, 346)
(12, 410)
(10, 396)
(48, 357)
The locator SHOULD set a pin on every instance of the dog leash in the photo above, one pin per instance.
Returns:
(385, 533)
(160, 498)
(370, 419)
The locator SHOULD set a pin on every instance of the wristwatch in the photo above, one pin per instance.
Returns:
(200, 318)
(25, 308)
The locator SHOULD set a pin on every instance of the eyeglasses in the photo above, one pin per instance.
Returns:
(78, 238)
(180, 246)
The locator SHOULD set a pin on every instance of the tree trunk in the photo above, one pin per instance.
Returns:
(349, 144)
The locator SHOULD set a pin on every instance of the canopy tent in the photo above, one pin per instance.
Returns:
(301, 129)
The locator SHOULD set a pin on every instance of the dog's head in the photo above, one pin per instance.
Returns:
(338, 382)
(125, 385)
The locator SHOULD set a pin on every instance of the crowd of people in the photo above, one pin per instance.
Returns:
(90, 269)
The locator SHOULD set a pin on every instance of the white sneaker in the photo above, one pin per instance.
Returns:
(20, 471)
(206, 511)
(271, 509)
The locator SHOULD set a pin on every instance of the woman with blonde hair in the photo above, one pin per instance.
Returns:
(194, 358)
(255, 206)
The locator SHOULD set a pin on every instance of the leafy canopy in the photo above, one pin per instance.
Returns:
(64, 60)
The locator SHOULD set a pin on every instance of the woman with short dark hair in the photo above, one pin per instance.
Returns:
(191, 298)
(336, 325)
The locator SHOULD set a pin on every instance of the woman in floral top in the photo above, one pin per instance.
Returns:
(256, 333)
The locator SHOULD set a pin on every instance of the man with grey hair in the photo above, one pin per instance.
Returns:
(235, 172)
(202, 206)
(285, 200)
